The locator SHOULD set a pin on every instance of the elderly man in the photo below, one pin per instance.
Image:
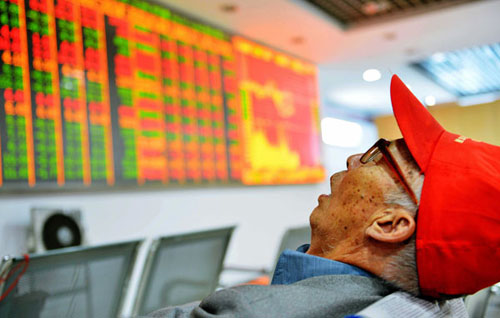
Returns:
(418, 214)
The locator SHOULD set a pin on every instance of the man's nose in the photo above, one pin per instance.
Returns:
(354, 161)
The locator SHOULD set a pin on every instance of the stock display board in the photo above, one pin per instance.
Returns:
(280, 116)
(126, 93)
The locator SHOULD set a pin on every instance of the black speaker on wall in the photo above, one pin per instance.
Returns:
(55, 228)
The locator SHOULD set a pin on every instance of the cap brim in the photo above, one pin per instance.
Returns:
(420, 130)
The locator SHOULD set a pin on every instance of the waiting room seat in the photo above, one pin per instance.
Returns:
(75, 282)
(291, 239)
(181, 269)
(485, 303)
(476, 304)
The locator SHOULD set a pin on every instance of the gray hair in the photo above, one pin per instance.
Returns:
(401, 270)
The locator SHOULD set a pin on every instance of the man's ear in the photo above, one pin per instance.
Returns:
(393, 225)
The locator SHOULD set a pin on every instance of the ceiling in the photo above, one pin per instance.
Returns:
(343, 53)
(352, 13)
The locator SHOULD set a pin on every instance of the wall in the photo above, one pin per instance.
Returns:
(478, 122)
(111, 217)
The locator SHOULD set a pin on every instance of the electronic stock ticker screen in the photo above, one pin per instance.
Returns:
(113, 93)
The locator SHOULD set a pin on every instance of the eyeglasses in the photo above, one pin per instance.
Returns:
(382, 147)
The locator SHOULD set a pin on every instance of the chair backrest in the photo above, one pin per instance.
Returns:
(477, 303)
(181, 269)
(292, 239)
(485, 303)
(71, 282)
(402, 304)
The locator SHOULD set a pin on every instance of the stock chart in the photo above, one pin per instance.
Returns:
(126, 93)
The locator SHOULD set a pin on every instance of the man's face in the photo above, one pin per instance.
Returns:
(342, 216)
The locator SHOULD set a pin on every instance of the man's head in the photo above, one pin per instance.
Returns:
(368, 219)
(457, 240)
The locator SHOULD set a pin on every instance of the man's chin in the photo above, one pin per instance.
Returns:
(314, 218)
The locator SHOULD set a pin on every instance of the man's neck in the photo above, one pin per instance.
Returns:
(365, 257)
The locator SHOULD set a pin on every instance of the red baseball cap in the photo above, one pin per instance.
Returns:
(458, 226)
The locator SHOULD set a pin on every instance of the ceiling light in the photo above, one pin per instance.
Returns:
(389, 36)
(439, 57)
(297, 40)
(375, 7)
(430, 100)
(371, 75)
(341, 133)
(228, 8)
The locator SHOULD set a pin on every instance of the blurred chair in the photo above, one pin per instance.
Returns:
(292, 239)
(476, 304)
(485, 303)
(181, 268)
(74, 282)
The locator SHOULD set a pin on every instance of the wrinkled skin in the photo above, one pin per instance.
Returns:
(340, 220)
